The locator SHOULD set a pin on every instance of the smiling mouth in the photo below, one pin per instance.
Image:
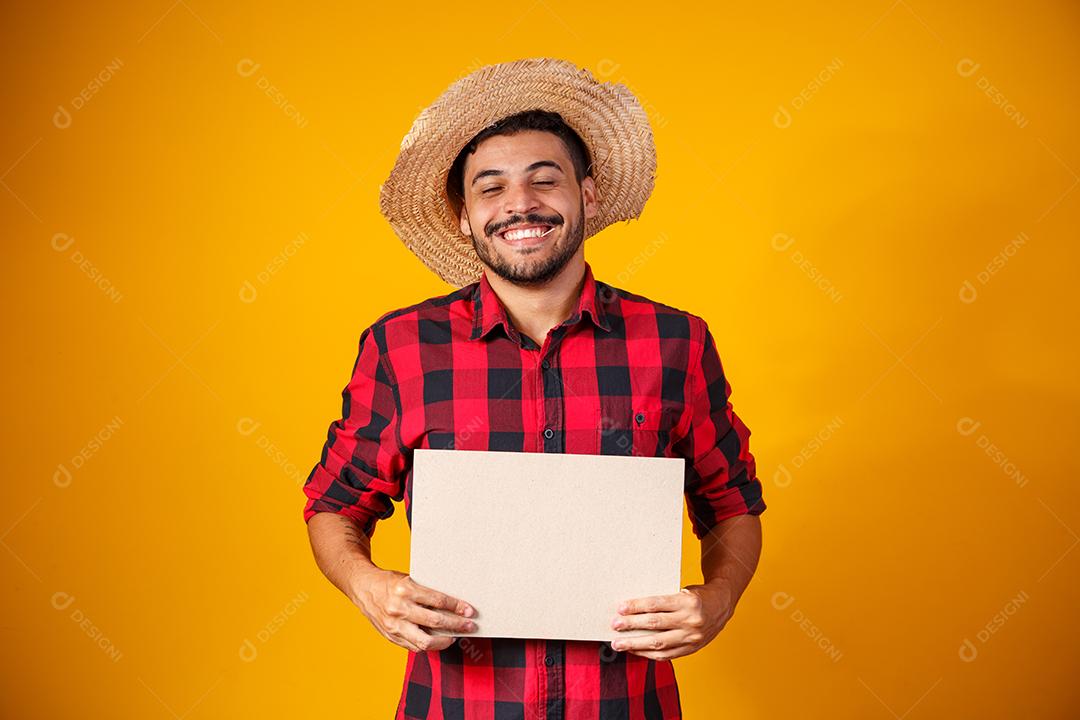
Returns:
(525, 232)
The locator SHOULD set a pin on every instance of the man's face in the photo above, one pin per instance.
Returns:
(525, 182)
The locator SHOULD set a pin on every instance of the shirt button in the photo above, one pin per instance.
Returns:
(640, 418)
(548, 660)
(546, 364)
(548, 432)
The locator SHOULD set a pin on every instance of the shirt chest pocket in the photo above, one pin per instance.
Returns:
(641, 428)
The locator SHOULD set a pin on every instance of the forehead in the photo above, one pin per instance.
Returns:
(511, 153)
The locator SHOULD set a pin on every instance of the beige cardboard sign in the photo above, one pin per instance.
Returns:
(546, 545)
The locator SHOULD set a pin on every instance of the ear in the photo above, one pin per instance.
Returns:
(588, 196)
(463, 221)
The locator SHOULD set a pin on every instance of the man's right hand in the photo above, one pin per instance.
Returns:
(403, 610)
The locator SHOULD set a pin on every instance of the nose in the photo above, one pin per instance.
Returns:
(520, 198)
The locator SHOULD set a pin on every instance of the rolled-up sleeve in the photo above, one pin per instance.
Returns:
(363, 463)
(721, 479)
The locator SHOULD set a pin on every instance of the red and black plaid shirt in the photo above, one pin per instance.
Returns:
(635, 378)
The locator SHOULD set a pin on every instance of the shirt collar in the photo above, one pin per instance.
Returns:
(489, 311)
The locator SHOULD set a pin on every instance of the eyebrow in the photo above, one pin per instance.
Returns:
(536, 165)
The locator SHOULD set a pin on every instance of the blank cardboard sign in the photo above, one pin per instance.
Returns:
(546, 545)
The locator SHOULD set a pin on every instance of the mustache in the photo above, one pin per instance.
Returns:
(531, 219)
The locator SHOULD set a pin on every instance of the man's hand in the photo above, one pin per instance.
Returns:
(685, 622)
(402, 610)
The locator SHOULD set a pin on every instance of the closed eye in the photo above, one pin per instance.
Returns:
(485, 191)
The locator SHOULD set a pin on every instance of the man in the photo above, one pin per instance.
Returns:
(497, 186)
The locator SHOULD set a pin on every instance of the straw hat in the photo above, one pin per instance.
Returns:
(607, 116)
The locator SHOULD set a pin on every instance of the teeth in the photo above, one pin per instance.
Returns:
(526, 233)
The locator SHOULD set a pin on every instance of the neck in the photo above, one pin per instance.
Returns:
(534, 311)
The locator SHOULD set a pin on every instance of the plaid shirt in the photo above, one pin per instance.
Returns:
(623, 375)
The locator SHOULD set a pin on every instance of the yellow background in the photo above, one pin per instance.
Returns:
(917, 448)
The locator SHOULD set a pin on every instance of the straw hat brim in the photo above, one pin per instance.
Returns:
(607, 116)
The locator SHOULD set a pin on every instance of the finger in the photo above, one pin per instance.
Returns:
(649, 621)
(654, 603)
(435, 599)
(439, 619)
(664, 655)
(396, 632)
(440, 642)
(407, 645)
(421, 640)
(398, 639)
(659, 641)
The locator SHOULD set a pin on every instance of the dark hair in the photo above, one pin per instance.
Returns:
(545, 120)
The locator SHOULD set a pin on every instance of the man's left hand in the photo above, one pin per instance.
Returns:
(684, 622)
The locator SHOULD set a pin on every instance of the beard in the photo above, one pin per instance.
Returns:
(531, 274)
